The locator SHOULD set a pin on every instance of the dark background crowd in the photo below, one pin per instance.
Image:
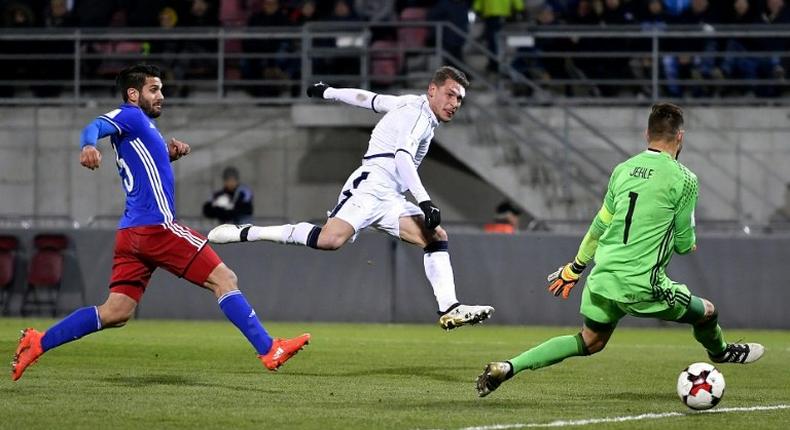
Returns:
(273, 60)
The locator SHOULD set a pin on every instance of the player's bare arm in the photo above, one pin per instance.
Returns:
(177, 149)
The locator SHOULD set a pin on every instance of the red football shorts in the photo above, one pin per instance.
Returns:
(174, 247)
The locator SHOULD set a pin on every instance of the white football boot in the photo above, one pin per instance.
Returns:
(742, 353)
(459, 315)
(229, 233)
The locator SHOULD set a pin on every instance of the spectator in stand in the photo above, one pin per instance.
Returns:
(144, 13)
(306, 12)
(56, 15)
(494, 14)
(652, 17)
(342, 12)
(534, 65)
(506, 219)
(613, 13)
(697, 67)
(375, 10)
(773, 67)
(200, 13)
(17, 15)
(675, 8)
(583, 14)
(734, 65)
(94, 13)
(167, 53)
(273, 67)
(455, 12)
(233, 203)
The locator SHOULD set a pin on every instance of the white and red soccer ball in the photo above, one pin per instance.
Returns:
(700, 386)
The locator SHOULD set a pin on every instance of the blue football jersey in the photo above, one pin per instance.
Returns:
(144, 166)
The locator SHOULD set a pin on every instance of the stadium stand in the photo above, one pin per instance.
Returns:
(45, 274)
(8, 255)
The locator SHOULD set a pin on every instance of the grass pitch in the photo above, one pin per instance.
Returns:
(157, 374)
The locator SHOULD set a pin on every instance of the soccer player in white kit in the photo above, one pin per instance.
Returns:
(373, 196)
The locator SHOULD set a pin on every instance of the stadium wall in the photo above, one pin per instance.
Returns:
(296, 171)
(378, 279)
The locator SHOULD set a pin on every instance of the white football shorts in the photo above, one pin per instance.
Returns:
(370, 199)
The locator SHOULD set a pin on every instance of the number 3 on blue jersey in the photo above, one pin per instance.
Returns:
(123, 170)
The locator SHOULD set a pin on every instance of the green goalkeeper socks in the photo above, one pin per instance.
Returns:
(549, 352)
(710, 336)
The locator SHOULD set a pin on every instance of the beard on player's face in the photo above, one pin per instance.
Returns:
(151, 107)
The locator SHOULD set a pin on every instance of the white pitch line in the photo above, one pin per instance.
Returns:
(648, 416)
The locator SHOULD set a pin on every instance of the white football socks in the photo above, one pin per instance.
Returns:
(293, 234)
(439, 272)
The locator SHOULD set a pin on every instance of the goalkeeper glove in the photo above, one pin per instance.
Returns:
(317, 90)
(432, 215)
(564, 279)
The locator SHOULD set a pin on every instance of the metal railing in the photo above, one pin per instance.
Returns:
(625, 64)
(219, 68)
(568, 64)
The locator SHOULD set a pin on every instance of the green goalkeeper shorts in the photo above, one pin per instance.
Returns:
(602, 314)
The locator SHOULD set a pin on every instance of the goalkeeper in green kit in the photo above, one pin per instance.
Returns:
(647, 215)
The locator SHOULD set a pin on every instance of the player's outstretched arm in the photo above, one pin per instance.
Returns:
(90, 157)
(564, 279)
(379, 103)
(177, 149)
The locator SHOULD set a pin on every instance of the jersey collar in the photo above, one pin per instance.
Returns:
(656, 152)
(427, 108)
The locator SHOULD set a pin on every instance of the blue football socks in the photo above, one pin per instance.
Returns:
(241, 314)
(79, 323)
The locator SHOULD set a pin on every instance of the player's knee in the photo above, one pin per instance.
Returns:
(113, 315)
(331, 242)
(595, 346)
(711, 314)
(224, 280)
(593, 342)
(440, 234)
(710, 310)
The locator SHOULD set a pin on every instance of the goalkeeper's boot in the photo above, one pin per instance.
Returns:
(459, 315)
(282, 350)
(27, 353)
(229, 233)
(493, 376)
(741, 353)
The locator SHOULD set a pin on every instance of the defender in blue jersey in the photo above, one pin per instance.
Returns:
(148, 234)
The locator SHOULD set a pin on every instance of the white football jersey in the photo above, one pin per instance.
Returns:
(407, 126)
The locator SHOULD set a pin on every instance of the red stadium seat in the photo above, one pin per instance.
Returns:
(413, 37)
(385, 62)
(45, 274)
(8, 248)
(232, 13)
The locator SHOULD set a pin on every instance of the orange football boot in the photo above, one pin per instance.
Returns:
(27, 353)
(282, 350)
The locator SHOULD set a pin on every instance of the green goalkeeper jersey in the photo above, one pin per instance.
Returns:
(651, 198)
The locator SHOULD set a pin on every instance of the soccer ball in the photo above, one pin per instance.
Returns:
(700, 386)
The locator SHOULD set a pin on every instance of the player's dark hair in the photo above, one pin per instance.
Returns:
(665, 121)
(449, 72)
(134, 77)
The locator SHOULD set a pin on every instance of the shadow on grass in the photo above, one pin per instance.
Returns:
(147, 381)
(634, 396)
(436, 373)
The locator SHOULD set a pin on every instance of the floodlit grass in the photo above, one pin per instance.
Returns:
(162, 374)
